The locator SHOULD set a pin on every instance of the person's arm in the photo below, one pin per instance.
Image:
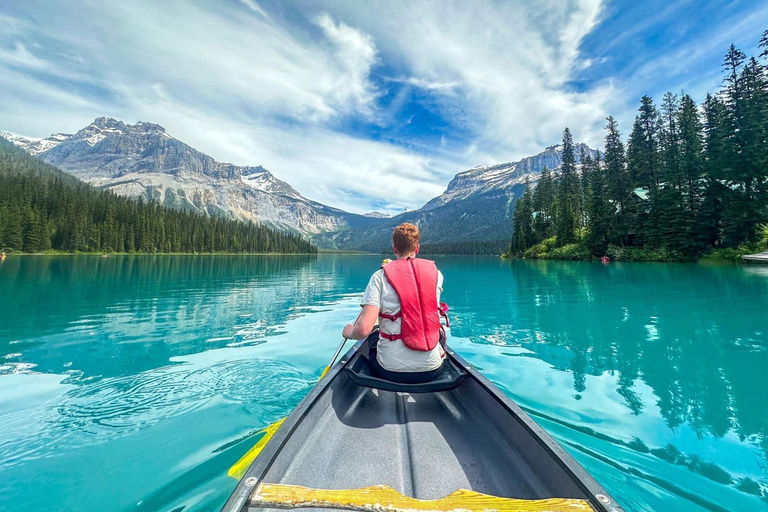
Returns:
(363, 325)
(371, 305)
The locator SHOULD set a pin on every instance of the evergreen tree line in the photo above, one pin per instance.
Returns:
(43, 208)
(692, 177)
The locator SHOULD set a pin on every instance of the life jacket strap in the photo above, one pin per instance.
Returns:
(443, 310)
(390, 337)
(394, 317)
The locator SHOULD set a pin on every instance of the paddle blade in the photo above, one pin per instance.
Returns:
(241, 466)
(324, 372)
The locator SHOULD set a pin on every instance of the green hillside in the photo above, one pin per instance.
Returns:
(43, 208)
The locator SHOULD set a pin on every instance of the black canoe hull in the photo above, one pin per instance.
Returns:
(426, 445)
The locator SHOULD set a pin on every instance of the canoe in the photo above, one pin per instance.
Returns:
(358, 442)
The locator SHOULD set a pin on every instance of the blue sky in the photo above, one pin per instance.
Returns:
(360, 105)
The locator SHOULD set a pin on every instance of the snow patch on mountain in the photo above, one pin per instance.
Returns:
(143, 160)
(35, 145)
(489, 178)
(261, 179)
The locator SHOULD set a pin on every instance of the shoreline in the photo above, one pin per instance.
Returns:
(111, 254)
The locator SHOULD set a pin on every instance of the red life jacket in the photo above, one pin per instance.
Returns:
(415, 282)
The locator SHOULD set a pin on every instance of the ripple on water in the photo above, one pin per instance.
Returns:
(15, 367)
(99, 410)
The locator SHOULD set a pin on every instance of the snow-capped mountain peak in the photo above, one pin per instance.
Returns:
(143, 160)
(497, 177)
(35, 145)
(261, 179)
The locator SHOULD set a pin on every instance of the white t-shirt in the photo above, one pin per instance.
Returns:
(393, 355)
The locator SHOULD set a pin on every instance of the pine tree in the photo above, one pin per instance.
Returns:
(643, 163)
(587, 165)
(643, 156)
(745, 101)
(692, 171)
(669, 201)
(42, 232)
(618, 185)
(94, 238)
(32, 241)
(544, 206)
(130, 240)
(14, 236)
(601, 215)
(669, 142)
(42, 207)
(568, 192)
(523, 220)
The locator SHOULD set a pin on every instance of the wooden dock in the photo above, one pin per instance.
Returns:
(756, 258)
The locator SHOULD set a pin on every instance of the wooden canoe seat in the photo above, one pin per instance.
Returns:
(382, 498)
(361, 374)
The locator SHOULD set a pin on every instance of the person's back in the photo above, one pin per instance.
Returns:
(407, 348)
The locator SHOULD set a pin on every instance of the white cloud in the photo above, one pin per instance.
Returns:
(250, 4)
(354, 54)
(254, 87)
(507, 66)
(336, 169)
(424, 84)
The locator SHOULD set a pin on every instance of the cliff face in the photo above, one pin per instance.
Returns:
(143, 160)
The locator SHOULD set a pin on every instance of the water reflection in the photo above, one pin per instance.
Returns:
(91, 316)
(652, 375)
(155, 372)
(696, 336)
(686, 333)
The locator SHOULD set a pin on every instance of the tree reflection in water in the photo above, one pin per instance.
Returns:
(696, 335)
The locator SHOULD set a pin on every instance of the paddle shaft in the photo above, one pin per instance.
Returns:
(336, 355)
(338, 350)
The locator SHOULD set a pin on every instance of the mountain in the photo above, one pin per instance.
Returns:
(477, 205)
(143, 160)
(33, 145)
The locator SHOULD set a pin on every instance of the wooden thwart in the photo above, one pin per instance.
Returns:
(381, 498)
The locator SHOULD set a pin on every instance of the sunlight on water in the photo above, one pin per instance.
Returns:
(133, 383)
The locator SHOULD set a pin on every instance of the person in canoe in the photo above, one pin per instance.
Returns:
(403, 298)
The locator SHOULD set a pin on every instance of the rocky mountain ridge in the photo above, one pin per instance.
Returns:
(143, 160)
(485, 179)
(478, 204)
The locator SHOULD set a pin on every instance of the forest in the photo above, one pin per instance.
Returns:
(43, 208)
(691, 182)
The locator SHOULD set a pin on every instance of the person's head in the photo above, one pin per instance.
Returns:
(405, 240)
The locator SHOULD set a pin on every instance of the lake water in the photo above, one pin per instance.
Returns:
(133, 383)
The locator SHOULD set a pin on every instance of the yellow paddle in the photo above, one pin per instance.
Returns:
(241, 466)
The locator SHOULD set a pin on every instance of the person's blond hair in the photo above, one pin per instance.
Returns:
(405, 238)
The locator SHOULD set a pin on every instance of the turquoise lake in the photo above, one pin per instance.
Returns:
(132, 383)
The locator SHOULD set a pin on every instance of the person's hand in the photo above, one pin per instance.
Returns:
(346, 332)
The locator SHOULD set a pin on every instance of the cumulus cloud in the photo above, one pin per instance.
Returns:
(254, 85)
